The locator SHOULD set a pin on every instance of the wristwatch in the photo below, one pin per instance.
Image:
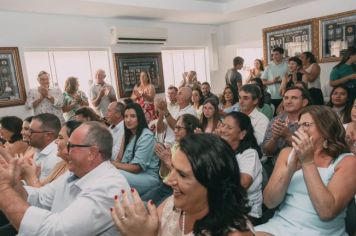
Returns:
(167, 114)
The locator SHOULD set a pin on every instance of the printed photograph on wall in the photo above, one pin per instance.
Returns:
(294, 38)
(129, 66)
(12, 89)
(337, 34)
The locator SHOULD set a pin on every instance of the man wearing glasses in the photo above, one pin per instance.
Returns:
(77, 203)
(44, 129)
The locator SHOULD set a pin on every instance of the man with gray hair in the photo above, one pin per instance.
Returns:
(166, 121)
(249, 97)
(78, 202)
(115, 117)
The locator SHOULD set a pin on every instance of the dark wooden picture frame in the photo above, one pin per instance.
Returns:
(12, 88)
(294, 38)
(337, 33)
(128, 67)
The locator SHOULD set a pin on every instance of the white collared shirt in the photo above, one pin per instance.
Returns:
(170, 137)
(117, 134)
(260, 123)
(80, 208)
(47, 159)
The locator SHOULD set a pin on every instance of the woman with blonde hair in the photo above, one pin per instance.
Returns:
(314, 179)
(73, 98)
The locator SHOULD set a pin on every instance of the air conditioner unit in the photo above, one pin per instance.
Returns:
(138, 35)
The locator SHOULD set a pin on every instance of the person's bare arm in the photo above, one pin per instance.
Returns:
(278, 183)
(342, 80)
(312, 75)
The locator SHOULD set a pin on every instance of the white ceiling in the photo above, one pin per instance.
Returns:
(179, 11)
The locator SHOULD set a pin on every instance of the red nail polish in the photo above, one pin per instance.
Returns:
(150, 202)
(122, 191)
(115, 197)
(132, 190)
(111, 209)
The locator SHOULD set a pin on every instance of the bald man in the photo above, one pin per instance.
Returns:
(101, 94)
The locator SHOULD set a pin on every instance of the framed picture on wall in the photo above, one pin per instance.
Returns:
(294, 38)
(12, 89)
(129, 66)
(337, 34)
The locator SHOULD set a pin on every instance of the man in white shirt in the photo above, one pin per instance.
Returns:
(115, 117)
(45, 98)
(249, 98)
(44, 129)
(167, 121)
(78, 202)
(101, 94)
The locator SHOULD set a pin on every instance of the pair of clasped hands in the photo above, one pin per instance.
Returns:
(302, 143)
(43, 91)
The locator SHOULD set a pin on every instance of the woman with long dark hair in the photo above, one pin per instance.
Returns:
(341, 102)
(311, 76)
(210, 118)
(186, 125)
(138, 162)
(208, 198)
(237, 130)
(256, 71)
(10, 132)
(229, 101)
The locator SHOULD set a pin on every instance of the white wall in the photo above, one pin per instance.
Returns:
(26, 30)
(248, 33)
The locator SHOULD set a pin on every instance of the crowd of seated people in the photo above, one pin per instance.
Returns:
(207, 165)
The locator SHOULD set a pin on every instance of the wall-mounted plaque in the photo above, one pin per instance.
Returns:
(129, 67)
(12, 88)
(294, 38)
(337, 34)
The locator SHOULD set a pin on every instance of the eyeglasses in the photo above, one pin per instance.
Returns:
(38, 131)
(306, 125)
(179, 127)
(70, 145)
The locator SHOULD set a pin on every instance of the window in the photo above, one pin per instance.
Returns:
(176, 62)
(249, 55)
(61, 64)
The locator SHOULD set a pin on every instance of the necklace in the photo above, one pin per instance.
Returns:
(183, 222)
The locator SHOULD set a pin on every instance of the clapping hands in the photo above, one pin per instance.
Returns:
(132, 218)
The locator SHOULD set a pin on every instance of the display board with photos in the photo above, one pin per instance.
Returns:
(294, 38)
(129, 66)
(337, 34)
(12, 88)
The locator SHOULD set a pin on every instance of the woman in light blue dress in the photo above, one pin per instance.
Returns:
(138, 164)
(313, 182)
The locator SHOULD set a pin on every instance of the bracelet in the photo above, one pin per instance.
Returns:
(308, 163)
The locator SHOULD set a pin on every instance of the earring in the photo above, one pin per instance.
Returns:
(325, 144)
